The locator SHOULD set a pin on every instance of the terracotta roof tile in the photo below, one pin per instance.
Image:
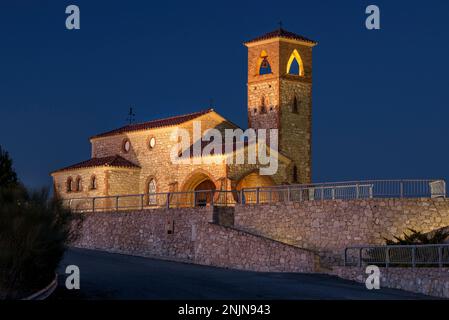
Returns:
(281, 33)
(112, 161)
(172, 121)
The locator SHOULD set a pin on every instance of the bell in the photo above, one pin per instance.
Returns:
(264, 63)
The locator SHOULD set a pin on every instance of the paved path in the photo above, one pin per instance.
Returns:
(116, 276)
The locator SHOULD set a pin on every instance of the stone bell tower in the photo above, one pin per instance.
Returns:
(280, 94)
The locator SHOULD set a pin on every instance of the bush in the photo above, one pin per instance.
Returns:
(424, 256)
(34, 233)
(416, 238)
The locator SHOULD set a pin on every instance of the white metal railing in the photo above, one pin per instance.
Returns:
(428, 255)
(260, 195)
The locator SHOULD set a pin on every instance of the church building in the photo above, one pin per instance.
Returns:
(135, 159)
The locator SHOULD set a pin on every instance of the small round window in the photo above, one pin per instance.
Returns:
(152, 142)
(126, 145)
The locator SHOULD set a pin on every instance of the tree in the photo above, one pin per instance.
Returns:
(8, 176)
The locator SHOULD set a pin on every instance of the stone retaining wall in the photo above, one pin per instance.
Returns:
(429, 281)
(189, 235)
(331, 225)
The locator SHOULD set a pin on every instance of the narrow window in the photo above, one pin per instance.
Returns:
(263, 108)
(151, 192)
(69, 184)
(295, 174)
(78, 184)
(93, 183)
(295, 105)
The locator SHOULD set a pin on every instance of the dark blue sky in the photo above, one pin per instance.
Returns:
(380, 97)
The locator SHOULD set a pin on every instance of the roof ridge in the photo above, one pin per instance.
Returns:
(181, 115)
(141, 125)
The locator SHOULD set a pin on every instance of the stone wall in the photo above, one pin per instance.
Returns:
(429, 281)
(189, 235)
(331, 225)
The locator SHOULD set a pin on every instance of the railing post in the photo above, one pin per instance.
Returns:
(194, 199)
(346, 257)
(257, 195)
(300, 193)
(141, 201)
(387, 257)
(93, 204)
(360, 257)
(242, 201)
(168, 200)
(444, 189)
(333, 193)
(402, 189)
(212, 198)
(357, 191)
(414, 256)
(440, 257)
(116, 203)
(322, 193)
(371, 191)
(288, 194)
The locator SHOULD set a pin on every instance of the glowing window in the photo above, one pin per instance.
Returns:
(295, 65)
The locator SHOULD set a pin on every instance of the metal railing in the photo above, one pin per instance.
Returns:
(262, 195)
(430, 255)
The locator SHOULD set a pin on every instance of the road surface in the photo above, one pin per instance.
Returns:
(115, 276)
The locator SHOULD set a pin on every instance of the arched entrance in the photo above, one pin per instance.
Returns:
(202, 184)
(255, 188)
(203, 194)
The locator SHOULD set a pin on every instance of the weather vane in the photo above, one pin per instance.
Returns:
(280, 24)
(131, 116)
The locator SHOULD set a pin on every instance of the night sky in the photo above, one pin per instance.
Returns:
(380, 98)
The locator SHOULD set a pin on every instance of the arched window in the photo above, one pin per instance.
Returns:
(263, 64)
(295, 105)
(152, 200)
(295, 65)
(78, 184)
(69, 184)
(93, 183)
(265, 67)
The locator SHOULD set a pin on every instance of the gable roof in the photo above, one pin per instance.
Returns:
(158, 123)
(111, 161)
(281, 33)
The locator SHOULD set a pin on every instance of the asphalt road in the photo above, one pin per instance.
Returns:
(116, 276)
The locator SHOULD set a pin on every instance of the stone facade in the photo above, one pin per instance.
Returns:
(331, 225)
(279, 100)
(141, 167)
(429, 281)
(188, 235)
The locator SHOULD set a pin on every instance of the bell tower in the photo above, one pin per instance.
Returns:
(280, 94)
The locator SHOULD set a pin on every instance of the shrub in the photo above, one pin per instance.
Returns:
(34, 233)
